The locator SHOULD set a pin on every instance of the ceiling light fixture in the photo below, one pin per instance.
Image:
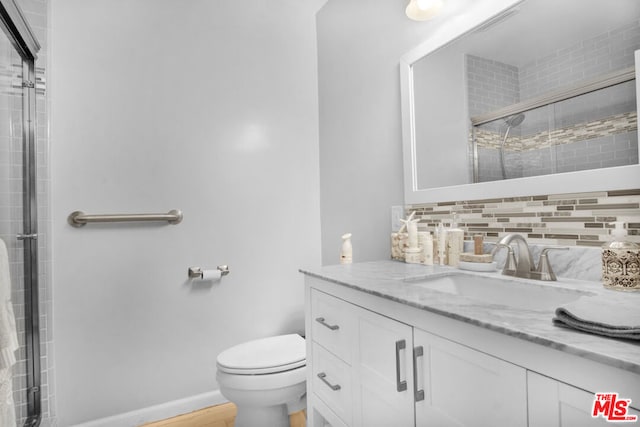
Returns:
(422, 10)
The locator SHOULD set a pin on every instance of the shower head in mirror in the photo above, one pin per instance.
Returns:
(514, 120)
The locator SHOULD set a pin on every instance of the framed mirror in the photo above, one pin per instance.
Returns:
(530, 97)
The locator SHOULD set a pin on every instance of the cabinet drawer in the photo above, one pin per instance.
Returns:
(332, 382)
(333, 324)
(322, 416)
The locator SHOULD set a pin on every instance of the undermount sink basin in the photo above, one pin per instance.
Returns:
(502, 291)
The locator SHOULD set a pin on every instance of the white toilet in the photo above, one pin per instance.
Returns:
(265, 378)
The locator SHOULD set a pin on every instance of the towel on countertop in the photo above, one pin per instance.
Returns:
(602, 316)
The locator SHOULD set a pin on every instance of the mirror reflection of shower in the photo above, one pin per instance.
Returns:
(511, 122)
(593, 130)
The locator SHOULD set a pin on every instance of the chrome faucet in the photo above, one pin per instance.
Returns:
(523, 266)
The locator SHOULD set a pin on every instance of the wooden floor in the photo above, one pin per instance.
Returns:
(216, 416)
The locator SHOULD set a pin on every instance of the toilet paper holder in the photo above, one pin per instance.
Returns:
(196, 272)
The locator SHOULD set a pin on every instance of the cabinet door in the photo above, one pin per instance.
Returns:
(464, 387)
(556, 404)
(383, 380)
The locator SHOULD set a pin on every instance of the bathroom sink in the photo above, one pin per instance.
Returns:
(505, 291)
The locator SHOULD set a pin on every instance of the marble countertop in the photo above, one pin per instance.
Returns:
(401, 282)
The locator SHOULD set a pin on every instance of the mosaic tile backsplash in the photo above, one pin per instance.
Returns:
(578, 219)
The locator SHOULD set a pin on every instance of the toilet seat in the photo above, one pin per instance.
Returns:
(264, 356)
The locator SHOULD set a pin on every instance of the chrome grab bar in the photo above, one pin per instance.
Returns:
(80, 219)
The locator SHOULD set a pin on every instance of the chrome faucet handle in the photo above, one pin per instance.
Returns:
(544, 270)
(510, 264)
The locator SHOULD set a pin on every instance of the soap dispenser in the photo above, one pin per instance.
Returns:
(621, 261)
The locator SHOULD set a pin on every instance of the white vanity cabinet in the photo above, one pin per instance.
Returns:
(373, 361)
(555, 404)
(361, 365)
(464, 387)
(370, 370)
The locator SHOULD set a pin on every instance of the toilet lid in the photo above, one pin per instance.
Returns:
(264, 356)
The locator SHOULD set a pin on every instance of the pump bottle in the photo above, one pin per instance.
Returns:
(455, 243)
(621, 261)
(346, 252)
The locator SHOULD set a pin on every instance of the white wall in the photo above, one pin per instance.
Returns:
(441, 77)
(359, 48)
(205, 106)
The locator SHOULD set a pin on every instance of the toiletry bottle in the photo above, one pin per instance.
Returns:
(412, 254)
(427, 249)
(436, 240)
(455, 243)
(621, 261)
(478, 242)
(422, 237)
(346, 253)
(442, 244)
(412, 231)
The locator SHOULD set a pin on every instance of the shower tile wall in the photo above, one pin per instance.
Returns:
(579, 219)
(590, 58)
(587, 59)
(492, 85)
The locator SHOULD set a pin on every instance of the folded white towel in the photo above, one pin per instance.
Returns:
(611, 316)
(8, 333)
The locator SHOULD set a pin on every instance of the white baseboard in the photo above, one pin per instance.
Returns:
(158, 412)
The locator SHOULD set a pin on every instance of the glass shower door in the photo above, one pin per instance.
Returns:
(12, 376)
(592, 130)
(19, 322)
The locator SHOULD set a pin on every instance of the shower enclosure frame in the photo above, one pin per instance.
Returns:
(591, 85)
(15, 25)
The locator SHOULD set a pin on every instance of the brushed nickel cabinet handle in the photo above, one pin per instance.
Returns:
(323, 323)
(323, 377)
(400, 385)
(418, 394)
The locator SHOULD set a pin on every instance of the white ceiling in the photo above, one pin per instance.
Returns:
(543, 26)
(316, 4)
